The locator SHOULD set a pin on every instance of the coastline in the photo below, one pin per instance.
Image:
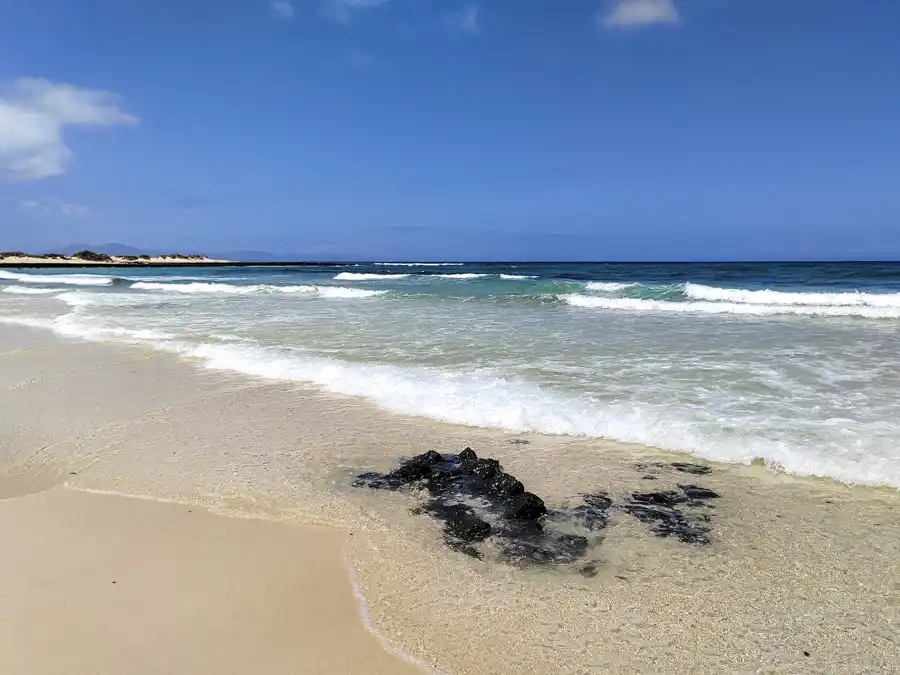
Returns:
(67, 262)
(108, 584)
(796, 565)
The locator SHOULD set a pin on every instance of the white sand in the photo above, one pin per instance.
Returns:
(13, 261)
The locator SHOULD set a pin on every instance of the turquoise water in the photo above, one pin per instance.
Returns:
(797, 364)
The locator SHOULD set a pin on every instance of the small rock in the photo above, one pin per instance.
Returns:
(589, 571)
(688, 467)
(694, 492)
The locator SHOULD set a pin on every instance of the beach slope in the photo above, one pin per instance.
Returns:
(92, 583)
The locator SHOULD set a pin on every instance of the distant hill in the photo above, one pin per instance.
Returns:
(114, 248)
(109, 249)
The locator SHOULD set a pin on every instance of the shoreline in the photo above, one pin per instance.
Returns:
(26, 262)
(796, 565)
(117, 584)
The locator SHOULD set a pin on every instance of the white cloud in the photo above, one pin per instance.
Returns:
(34, 113)
(342, 10)
(466, 20)
(54, 206)
(635, 13)
(282, 9)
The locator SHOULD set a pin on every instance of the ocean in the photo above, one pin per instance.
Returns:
(794, 365)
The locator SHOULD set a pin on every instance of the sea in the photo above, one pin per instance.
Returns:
(791, 365)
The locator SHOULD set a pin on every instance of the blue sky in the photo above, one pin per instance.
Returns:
(500, 129)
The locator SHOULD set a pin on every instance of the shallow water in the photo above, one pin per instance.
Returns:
(794, 364)
(794, 566)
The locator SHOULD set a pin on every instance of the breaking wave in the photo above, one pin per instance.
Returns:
(65, 279)
(640, 305)
(362, 276)
(24, 290)
(608, 286)
(420, 264)
(232, 289)
(770, 297)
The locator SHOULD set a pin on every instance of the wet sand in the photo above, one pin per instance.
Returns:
(103, 584)
(801, 576)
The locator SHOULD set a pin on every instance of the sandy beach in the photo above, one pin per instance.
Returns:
(801, 575)
(96, 583)
(113, 261)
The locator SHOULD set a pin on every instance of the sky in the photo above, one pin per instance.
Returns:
(445, 129)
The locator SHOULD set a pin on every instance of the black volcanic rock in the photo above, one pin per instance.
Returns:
(505, 485)
(698, 493)
(525, 506)
(484, 509)
(460, 521)
(483, 468)
(593, 515)
(417, 468)
(468, 455)
(688, 467)
(665, 512)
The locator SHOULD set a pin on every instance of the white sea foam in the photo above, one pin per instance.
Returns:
(361, 276)
(770, 297)
(346, 293)
(420, 264)
(65, 279)
(205, 288)
(487, 400)
(465, 275)
(72, 325)
(608, 286)
(494, 399)
(637, 305)
(516, 276)
(24, 290)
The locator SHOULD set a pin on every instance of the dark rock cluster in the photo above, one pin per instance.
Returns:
(480, 504)
(674, 513)
(92, 256)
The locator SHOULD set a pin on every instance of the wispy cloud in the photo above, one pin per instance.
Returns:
(637, 13)
(282, 9)
(343, 10)
(34, 114)
(54, 206)
(466, 20)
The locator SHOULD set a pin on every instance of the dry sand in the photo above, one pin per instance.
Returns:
(803, 576)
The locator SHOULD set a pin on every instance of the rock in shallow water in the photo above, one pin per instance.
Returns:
(663, 511)
(688, 467)
(479, 503)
